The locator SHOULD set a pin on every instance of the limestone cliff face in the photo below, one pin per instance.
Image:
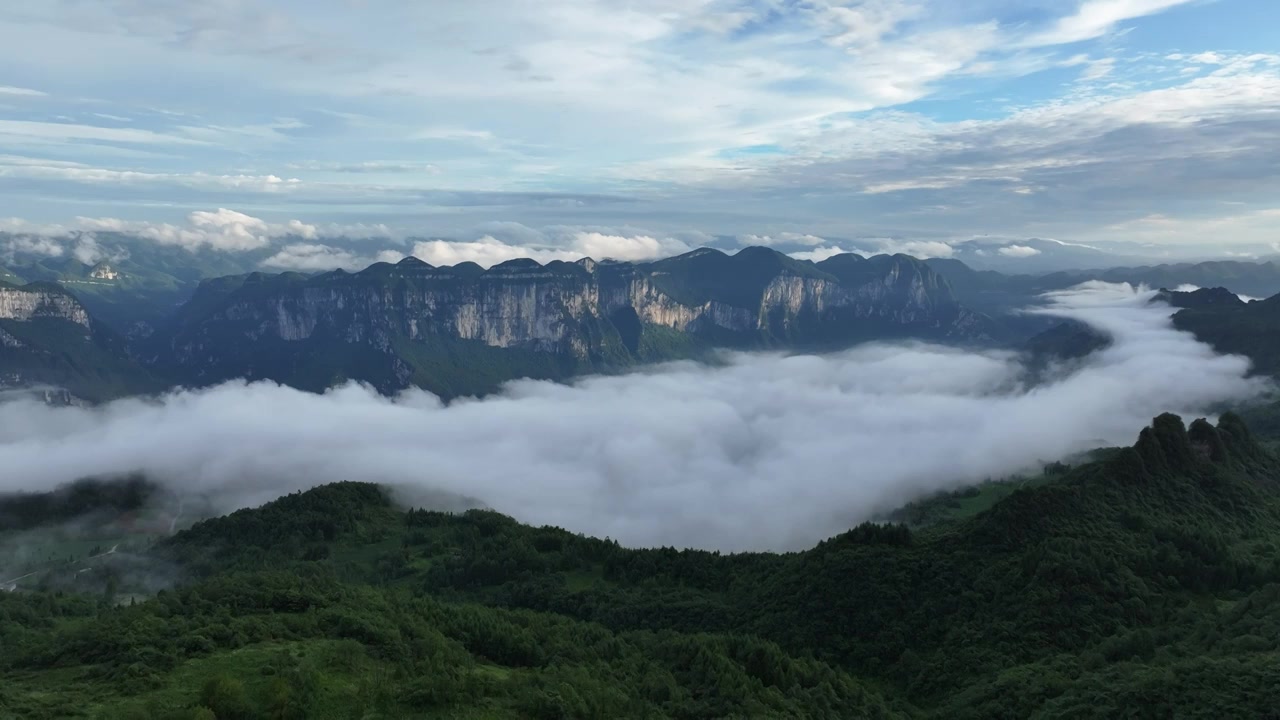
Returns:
(25, 303)
(48, 340)
(584, 310)
(515, 304)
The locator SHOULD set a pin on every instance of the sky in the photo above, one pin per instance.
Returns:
(762, 452)
(797, 122)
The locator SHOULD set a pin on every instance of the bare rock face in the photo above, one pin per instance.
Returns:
(592, 313)
(27, 302)
(50, 345)
(103, 271)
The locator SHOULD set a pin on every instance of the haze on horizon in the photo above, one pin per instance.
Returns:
(639, 129)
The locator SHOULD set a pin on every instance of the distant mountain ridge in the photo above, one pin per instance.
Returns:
(464, 329)
(993, 292)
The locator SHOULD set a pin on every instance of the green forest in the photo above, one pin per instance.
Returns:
(1141, 583)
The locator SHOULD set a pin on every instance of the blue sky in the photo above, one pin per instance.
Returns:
(661, 122)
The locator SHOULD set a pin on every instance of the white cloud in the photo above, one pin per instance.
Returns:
(21, 92)
(917, 248)
(616, 247)
(922, 249)
(692, 105)
(1094, 18)
(1207, 58)
(866, 23)
(311, 257)
(222, 229)
(39, 169)
(683, 454)
(819, 254)
(1098, 69)
(19, 129)
(1018, 251)
(488, 250)
(31, 245)
(88, 251)
(783, 238)
(1159, 228)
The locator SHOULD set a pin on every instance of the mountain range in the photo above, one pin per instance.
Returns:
(464, 330)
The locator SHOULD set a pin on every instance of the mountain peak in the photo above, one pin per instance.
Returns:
(1200, 297)
(414, 262)
(1167, 447)
(518, 264)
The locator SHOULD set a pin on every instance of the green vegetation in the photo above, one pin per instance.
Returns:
(150, 279)
(1141, 583)
(92, 363)
(1252, 330)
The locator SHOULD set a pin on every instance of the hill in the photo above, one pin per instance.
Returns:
(1250, 329)
(1145, 578)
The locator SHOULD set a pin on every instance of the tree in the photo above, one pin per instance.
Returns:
(225, 696)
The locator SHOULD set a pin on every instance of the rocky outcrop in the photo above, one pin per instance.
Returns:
(50, 344)
(103, 271)
(31, 301)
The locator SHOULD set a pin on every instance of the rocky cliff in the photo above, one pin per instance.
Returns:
(22, 304)
(49, 340)
(463, 328)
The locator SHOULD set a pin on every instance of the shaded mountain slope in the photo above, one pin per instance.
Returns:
(464, 330)
(1249, 329)
(48, 338)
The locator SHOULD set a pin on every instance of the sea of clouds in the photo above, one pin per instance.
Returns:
(764, 451)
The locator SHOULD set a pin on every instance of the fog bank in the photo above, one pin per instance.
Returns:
(766, 452)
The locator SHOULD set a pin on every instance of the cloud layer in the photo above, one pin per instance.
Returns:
(831, 117)
(765, 452)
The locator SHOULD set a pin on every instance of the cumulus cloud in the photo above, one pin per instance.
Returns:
(311, 257)
(917, 248)
(1018, 251)
(88, 251)
(763, 452)
(489, 251)
(335, 245)
(221, 229)
(922, 249)
(31, 245)
(819, 254)
(617, 247)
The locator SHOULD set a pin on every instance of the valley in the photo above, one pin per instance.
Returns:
(1144, 576)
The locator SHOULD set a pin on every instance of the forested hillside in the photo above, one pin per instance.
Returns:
(1145, 583)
